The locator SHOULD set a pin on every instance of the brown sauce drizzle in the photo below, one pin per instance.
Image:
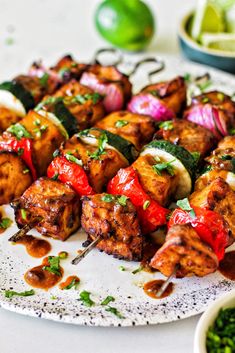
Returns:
(35, 247)
(40, 278)
(149, 251)
(68, 281)
(227, 265)
(151, 288)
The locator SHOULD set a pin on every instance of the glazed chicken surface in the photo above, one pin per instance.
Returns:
(116, 223)
(55, 203)
(137, 128)
(183, 248)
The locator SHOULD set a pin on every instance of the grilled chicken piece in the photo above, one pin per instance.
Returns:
(159, 187)
(137, 128)
(223, 157)
(117, 224)
(173, 93)
(192, 137)
(99, 170)
(207, 178)
(184, 248)
(14, 177)
(87, 113)
(7, 118)
(56, 203)
(219, 197)
(67, 68)
(46, 139)
(32, 85)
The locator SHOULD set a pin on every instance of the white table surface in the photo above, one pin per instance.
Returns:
(47, 29)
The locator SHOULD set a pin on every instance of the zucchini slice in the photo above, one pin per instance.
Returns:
(121, 145)
(66, 118)
(16, 98)
(55, 121)
(181, 160)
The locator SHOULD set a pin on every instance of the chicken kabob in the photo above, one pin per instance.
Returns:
(26, 148)
(199, 141)
(24, 92)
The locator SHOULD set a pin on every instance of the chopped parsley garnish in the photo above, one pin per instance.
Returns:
(85, 298)
(108, 198)
(220, 336)
(122, 268)
(38, 131)
(71, 158)
(115, 312)
(44, 79)
(56, 153)
(83, 98)
(74, 283)
(122, 200)
(107, 300)
(187, 77)
(232, 131)
(185, 206)
(102, 141)
(25, 171)
(23, 213)
(220, 96)
(54, 297)
(9, 41)
(63, 71)
(47, 101)
(54, 262)
(55, 176)
(204, 85)
(37, 122)
(146, 204)
(159, 167)
(205, 100)
(20, 151)
(137, 270)
(121, 123)
(154, 93)
(11, 293)
(5, 223)
(166, 125)
(19, 131)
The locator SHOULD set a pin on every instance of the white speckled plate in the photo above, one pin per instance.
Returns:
(100, 273)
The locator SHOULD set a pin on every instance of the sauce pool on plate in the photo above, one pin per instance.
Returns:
(35, 247)
(151, 288)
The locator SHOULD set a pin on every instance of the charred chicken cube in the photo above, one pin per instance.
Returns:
(192, 137)
(67, 68)
(82, 102)
(223, 157)
(217, 196)
(101, 154)
(114, 219)
(172, 92)
(137, 128)
(56, 206)
(183, 248)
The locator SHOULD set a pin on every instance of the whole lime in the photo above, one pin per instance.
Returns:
(128, 24)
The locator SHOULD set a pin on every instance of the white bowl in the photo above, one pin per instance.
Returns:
(207, 319)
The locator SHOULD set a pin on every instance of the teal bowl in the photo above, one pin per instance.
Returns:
(223, 60)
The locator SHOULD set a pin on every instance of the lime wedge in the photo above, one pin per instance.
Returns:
(209, 17)
(220, 41)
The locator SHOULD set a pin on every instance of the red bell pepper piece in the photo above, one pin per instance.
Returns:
(70, 173)
(150, 213)
(22, 147)
(208, 224)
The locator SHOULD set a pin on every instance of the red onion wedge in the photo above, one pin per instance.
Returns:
(208, 116)
(112, 92)
(147, 104)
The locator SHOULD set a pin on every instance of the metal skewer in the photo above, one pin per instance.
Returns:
(167, 282)
(23, 231)
(86, 251)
